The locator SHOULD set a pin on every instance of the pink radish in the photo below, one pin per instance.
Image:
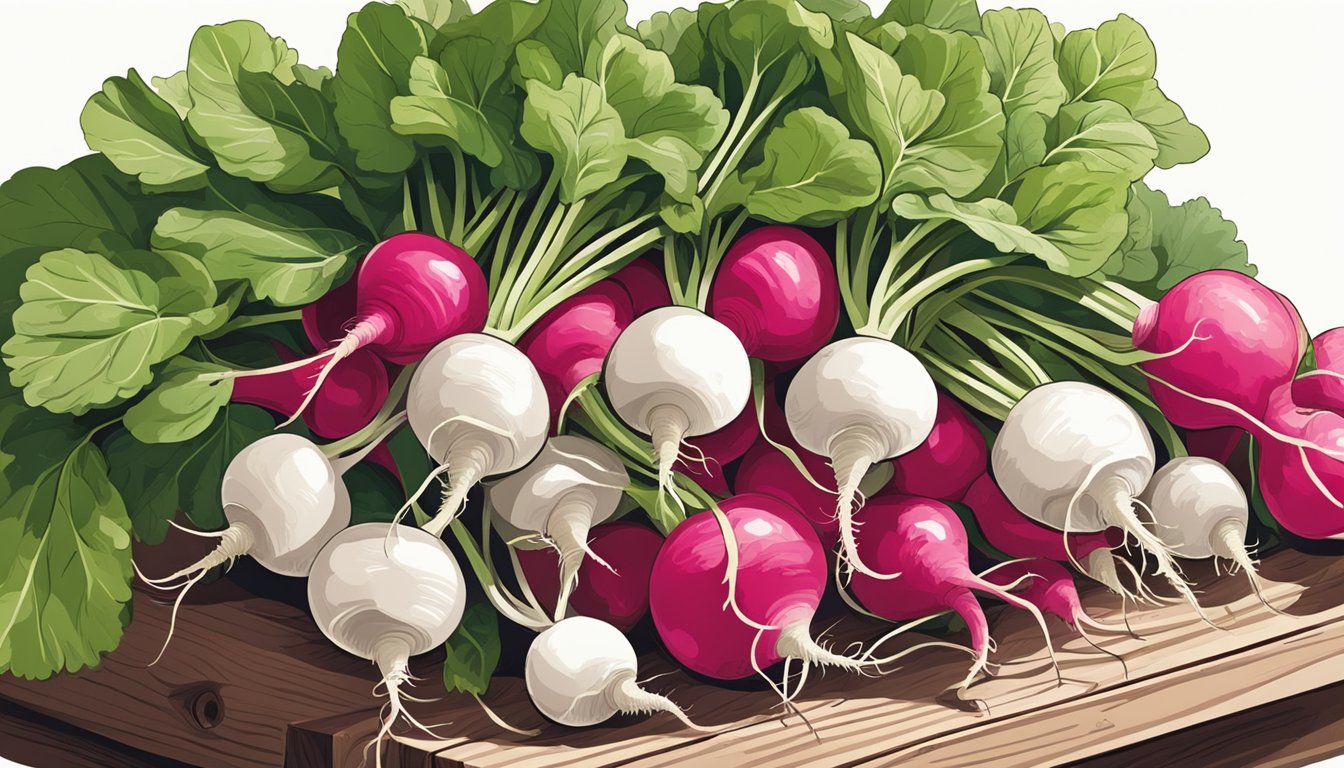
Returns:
(1323, 387)
(569, 344)
(948, 461)
(1049, 586)
(1303, 487)
(776, 289)
(779, 579)
(413, 290)
(765, 470)
(355, 390)
(1225, 342)
(925, 542)
(617, 593)
(645, 283)
(1218, 443)
(325, 321)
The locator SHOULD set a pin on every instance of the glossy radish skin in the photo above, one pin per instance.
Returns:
(780, 579)
(327, 320)
(860, 401)
(569, 344)
(1049, 586)
(479, 408)
(765, 470)
(347, 402)
(706, 458)
(581, 672)
(948, 461)
(776, 289)
(618, 595)
(1225, 337)
(1303, 488)
(1323, 388)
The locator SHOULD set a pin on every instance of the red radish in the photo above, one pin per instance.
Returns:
(1303, 487)
(779, 580)
(1323, 388)
(569, 344)
(765, 470)
(705, 458)
(645, 283)
(948, 461)
(413, 290)
(776, 289)
(354, 392)
(925, 542)
(619, 596)
(325, 321)
(1218, 444)
(1016, 535)
(1225, 343)
(1049, 586)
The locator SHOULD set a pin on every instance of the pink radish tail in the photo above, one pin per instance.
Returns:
(853, 453)
(1017, 602)
(796, 642)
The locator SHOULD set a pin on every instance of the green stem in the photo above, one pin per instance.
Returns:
(407, 207)
(892, 318)
(730, 138)
(535, 280)
(675, 287)
(501, 257)
(1005, 349)
(523, 249)
(1066, 332)
(253, 321)
(966, 388)
(459, 196)
(958, 353)
(435, 203)
(722, 241)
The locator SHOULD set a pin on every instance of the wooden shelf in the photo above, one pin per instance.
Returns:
(250, 682)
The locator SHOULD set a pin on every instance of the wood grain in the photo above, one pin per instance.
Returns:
(38, 740)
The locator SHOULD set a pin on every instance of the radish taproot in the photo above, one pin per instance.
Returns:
(1075, 457)
(387, 592)
(705, 459)
(354, 391)
(857, 402)
(479, 409)
(581, 672)
(572, 485)
(618, 595)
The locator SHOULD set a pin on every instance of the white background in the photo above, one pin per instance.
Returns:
(1260, 78)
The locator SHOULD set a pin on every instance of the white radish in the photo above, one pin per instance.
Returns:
(581, 672)
(860, 401)
(675, 373)
(1075, 457)
(386, 592)
(572, 485)
(1201, 511)
(478, 406)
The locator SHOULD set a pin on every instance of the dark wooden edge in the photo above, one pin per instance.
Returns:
(41, 741)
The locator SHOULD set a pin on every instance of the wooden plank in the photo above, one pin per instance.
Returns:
(37, 740)
(1300, 730)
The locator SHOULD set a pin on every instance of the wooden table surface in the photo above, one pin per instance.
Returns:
(250, 682)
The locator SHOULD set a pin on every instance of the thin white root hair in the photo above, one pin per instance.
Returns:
(1014, 600)
(499, 721)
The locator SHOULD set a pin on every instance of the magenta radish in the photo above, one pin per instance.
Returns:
(948, 461)
(1225, 342)
(1016, 535)
(1303, 487)
(925, 542)
(1219, 443)
(479, 408)
(1323, 387)
(779, 579)
(857, 402)
(327, 320)
(572, 485)
(706, 458)
(776, 290)
(765, 470)
(1200, 511)
(645, 284)
(413, 290)
(1075, 457)
(675, 373)
(354, 392)
(618, 593)
(581, 672)
(386, 593)
(569, 344)
(1050, 588)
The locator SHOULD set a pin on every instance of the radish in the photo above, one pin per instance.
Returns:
(1323, 387)
(765, 470)
(729, 617)
(479, 408)
(352, 396)
(569, 344)
(710, 455)
(413, 291)
(572, 485)
(1049, 586)
(924, 541)
(1224, 343)
(859, 401)
(1016, 535)
(325, 321)
(1075, 457)
(1303, 487)
(948, 461)
(581, 672)
(676, 373)
(644, 282)
(618, 594)
(1200, 511)
(1219, 443)
(776, 290)
(385, 593)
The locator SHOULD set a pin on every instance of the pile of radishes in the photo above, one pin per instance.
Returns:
(679, 348)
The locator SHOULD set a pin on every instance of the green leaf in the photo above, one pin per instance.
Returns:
(1082, 212)
(186, 476)
(579, 130)
(677, 33)
(940, 14)
(573, 30)
(90, 329)
(813, 173)
(181, 406)
(992, 220)
(65, 546)
(1134, 262)
(375, 494)
(260, 147)
(141, 134)
(1178, 140)
(86, 205)
(436, 13)
(770, 43)
(1103, 137)
(472, 651)
(173, 90)
(1193, 237)
(375, 56)
(1024, 143)
(1019, 52)
(669, 126)
(536, 62)
(287, 264)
